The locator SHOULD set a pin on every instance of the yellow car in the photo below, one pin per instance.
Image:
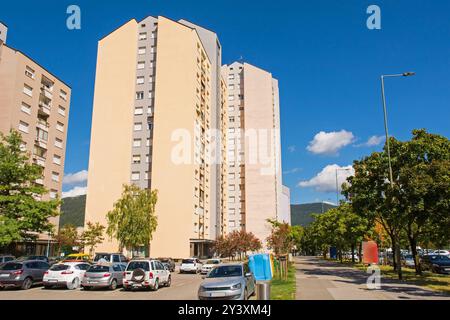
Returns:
(77, 257)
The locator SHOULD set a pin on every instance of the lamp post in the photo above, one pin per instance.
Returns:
(337, 184)
(406, 74)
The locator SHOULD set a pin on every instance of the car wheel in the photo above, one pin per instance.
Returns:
(27, 283)
(113, 285)
(169, 281)
(74, 284)
(156, 286)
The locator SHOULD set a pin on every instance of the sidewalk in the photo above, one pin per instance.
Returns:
(325, 280)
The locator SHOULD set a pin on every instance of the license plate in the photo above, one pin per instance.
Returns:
(217, 294)
(137, 285)
(52, 280)
(92, 281)
(5, 275)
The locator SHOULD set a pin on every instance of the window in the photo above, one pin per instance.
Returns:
(149, 110)
(136, 143)
(60, 126)
(140, 80)
(231, 176)
(231, 97)
(139, 95)
(55, 176)
(137, 126)
(231, 77)
(152, 64)
(231, 211)
(232, 187)
(231, 87)
(135, 176)
(146, 175)
(53, 194)
(141, 65)
(25, 108)
(143, 36)
(138, 111)
(150, 94)
(23, 146)
(58, 143)
(141, 50)
(153, 35)
(63, 95)
(232, 223)
(152, 49)
(150, 79)
(147, 158)
(136, 159)
(62, 110)
(232, 199)
(24, 127)
(41, 134)
(231, 109)
(231, 119)
(56, 159)
(148, 142)
(29, 72)
(28, 90)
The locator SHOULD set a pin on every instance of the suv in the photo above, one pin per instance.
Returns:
(192, 265)
(436, 263)
(147, 274)
(22, 274)
(102, 257)
(27, 258)
(169, 263)
(6, 258)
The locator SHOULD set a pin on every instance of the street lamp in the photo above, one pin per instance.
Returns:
(337, 185)
(405, 74)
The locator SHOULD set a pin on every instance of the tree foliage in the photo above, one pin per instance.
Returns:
(67, 238)
(92, 236)
(133, 220)
(237, 243)
(23, 213)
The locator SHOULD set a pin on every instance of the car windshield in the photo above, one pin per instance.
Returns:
(98, 269)
(11, 266)
(212, 262)
(133, 265)
(226, 271)
(59, 267)
(188, 261)
(100, 256)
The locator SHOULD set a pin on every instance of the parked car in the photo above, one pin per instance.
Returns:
(211, 263)
(6, 258)
(169, 263)
(102, 257)
(103, 276)
(33, 257)
(436, 263)
(408, 261)
(77, 257)
(441, 252)
(192, 265)
(147, 274)
(22, 274)
(228, 282)
(66, 274)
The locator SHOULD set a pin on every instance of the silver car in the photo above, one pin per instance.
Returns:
(228, 282)
(103, 276)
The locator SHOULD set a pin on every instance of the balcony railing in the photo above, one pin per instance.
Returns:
(39, 160)
(41, 142)
(47, 92)
(44, 108)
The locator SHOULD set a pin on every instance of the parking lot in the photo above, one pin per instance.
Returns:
(184, 287)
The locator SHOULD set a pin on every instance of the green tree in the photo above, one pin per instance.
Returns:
(92, 236)
(133, 220)
(281, 239)
(23, 214)
(67, 238)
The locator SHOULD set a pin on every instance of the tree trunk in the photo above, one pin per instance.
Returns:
(398, 258)
(394, 252)
(360, 252)
(413, 245)
(353, 253)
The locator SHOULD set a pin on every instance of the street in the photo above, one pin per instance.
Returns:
(184, 287)
(325, 280)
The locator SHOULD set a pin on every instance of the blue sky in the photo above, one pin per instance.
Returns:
(327, 61)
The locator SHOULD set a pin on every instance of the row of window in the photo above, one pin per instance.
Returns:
(140, 95)
(140, 111)
(138, 126)
(28, 90)
(141, 79)
(25, 127)
(137, 142)
(137, 158)
(26, 108)
(143, 35)
(136, 176)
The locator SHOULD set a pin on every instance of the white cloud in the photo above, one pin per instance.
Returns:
(75, 178)
(294, 170)
(77, 191)
(325, 181)
(330, 142)
(372, 141)
(292, 149)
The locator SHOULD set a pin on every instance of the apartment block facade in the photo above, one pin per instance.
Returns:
(255, 191)
(157, 106)
(36, 103)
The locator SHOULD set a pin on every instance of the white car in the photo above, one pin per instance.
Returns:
(441, 252)
(146, 274)
(191, 265)
(211, 263)
(67, 274)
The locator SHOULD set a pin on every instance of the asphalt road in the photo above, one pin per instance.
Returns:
(184, 287)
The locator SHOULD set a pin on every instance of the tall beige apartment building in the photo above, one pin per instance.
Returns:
(255, 191)
(158, 102)
(36, 103)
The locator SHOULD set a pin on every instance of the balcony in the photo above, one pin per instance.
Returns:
(41, 142)
(43, 125)
(40, 161)
(44, 108)
(40, 181)
(47, 91)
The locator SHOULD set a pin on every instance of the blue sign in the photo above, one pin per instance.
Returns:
(260, 266)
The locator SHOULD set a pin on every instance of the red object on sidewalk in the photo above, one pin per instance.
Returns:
(370, 252)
